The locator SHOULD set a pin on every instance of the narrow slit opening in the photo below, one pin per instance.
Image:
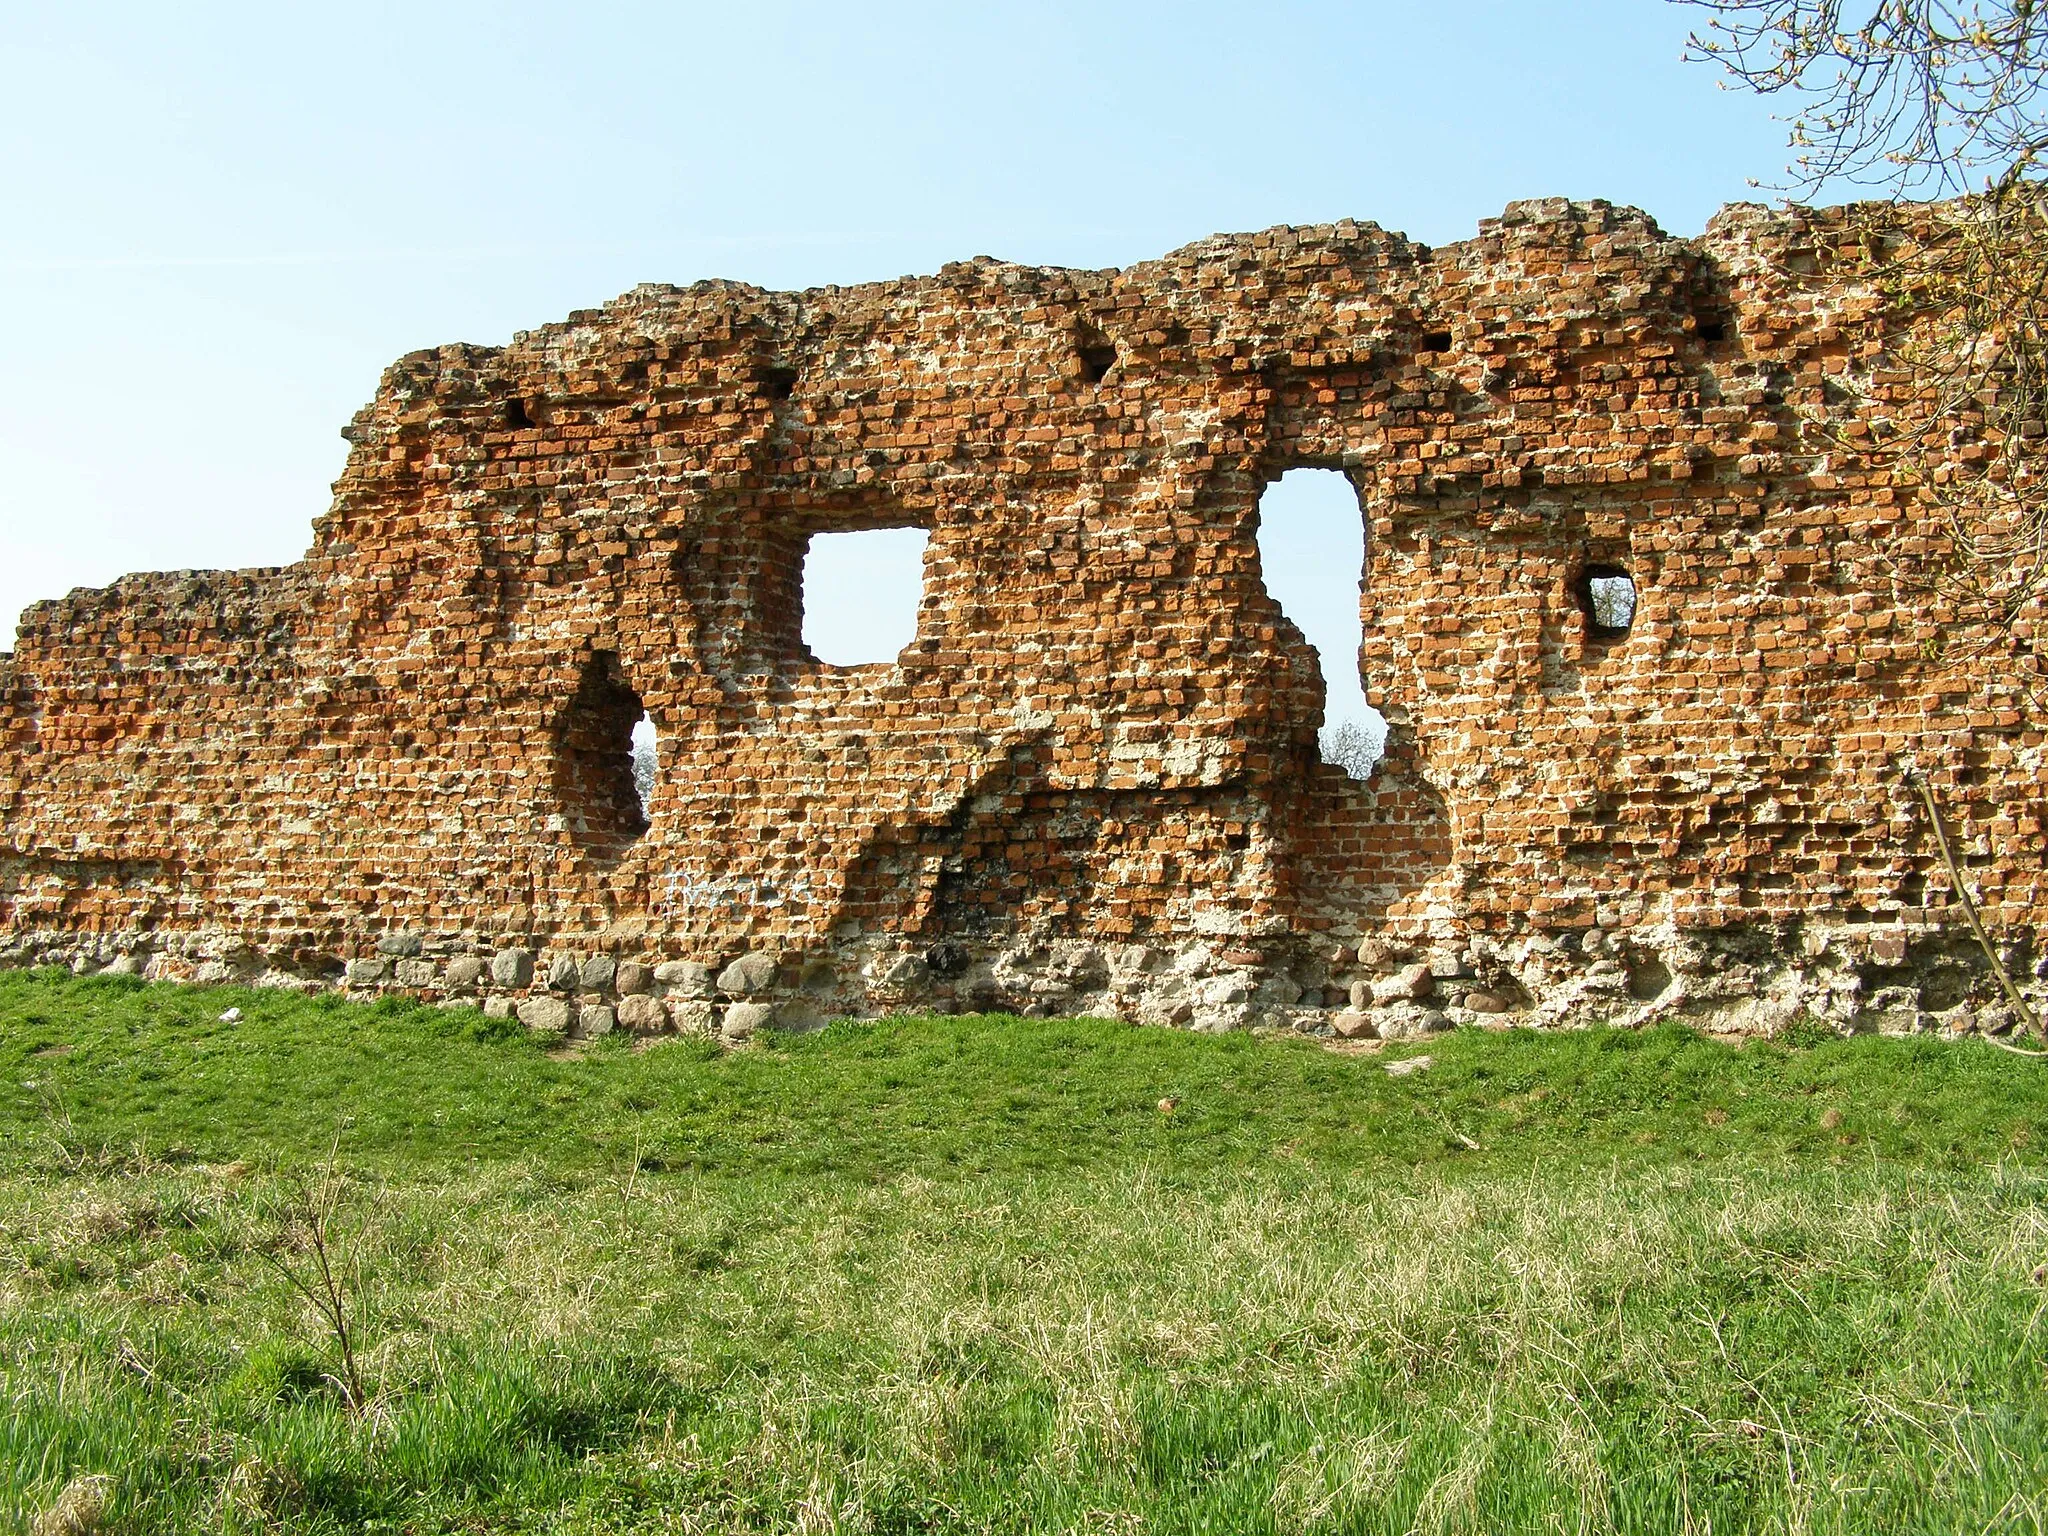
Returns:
(646, 764)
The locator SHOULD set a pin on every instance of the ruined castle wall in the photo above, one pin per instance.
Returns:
(1091, 781)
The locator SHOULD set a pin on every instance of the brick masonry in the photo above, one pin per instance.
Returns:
(1091, 783)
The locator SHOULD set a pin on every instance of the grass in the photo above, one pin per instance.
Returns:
(965, 1275)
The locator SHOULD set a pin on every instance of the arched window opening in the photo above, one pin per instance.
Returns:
(861, 594)
(1607, 596)
(595, 778)
(1312, 554)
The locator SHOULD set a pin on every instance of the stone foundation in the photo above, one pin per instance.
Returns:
(1746, 980)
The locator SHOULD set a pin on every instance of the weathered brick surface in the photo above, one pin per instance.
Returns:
(1091, 781)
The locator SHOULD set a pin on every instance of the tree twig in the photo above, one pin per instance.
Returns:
(1969, 906)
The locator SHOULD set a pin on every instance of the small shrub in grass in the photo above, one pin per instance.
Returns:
(313, 1255)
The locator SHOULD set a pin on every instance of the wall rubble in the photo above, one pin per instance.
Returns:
(1091, 783)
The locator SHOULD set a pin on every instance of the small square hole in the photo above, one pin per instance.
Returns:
(1607, 597)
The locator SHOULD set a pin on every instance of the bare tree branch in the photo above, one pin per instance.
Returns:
(1918, 98)
(1930, 99)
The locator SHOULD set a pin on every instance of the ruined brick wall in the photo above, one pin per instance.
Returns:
(1091, 781)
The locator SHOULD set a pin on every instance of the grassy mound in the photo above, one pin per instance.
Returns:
(967, 1274)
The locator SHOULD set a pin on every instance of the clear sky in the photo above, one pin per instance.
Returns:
(223, 221)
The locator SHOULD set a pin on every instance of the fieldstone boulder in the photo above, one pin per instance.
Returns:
(683, 978)
(593, 1020)
(633, 978)
(1411, 983)
(749, 975)
(463, 973)
(549, 1013)
(400, 946)
(1277, 990)
(365, 973)
(417, 973)
(906, 973)
(1353, 1025)
(742, 1019)
(564, 974)
(1230, 987)
(513, 969)
(694, 1016)
(1485, 1002)
(642, 1014)
(1408, 1021)
(596, 973)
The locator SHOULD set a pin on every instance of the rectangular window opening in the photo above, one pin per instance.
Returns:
(861, 594)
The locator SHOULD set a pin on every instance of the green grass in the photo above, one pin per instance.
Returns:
(964, 1274)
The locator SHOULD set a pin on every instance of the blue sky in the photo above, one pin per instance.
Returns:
(223, 221)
